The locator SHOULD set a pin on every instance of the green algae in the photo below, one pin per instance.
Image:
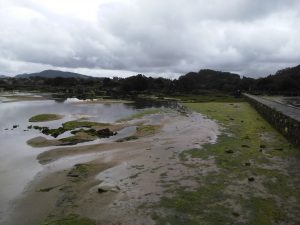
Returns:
(145, 130)
(45, 117)
(74, 124)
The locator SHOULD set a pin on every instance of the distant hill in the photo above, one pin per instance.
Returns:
(283, 80)
(53, 74)
(290, 71)
(209, 79)
(3, 76)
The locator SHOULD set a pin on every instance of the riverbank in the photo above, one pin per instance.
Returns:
(226, 165)
(135, 169)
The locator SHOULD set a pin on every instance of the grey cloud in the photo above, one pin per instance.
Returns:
(175, 36)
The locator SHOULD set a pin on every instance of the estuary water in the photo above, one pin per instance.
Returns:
(18, 164)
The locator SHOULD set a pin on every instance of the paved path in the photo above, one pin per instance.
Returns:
(287, 110)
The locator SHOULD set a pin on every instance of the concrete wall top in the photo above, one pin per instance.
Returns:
(287, 110)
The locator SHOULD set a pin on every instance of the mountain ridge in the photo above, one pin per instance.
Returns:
(53, 74)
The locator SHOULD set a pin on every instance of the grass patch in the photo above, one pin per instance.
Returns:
(45, 117)
(202, 206)
(79, 171)
(246, 148)
(264, 211)
(73, 140)
(194, 153)
(146, 130)
(208, 98)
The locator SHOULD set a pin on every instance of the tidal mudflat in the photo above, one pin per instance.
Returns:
(200, 163)
(18, 160)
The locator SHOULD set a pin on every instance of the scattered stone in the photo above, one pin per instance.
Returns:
(6, 129)
(15, 126)
(48, 189)
(105, 133)
(101, 190)
(236, 214)
(108, 187)
(72, 175)
(251, 179)
(229, 151)
(245, 146)
(247, 164)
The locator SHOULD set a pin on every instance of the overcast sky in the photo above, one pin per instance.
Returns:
(155, 37)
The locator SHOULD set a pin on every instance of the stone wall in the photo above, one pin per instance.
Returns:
(289, 127)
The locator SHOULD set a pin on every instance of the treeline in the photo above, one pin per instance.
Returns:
(285, 81)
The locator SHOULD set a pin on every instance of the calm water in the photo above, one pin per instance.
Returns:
(18, 164)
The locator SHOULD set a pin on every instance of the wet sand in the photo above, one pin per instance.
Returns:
(140, 169)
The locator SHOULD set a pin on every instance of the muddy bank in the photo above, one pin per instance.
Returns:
(140, 169)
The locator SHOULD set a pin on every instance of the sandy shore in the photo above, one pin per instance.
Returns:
(139, 169)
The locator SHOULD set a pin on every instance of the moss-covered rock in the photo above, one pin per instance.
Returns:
(71, 125)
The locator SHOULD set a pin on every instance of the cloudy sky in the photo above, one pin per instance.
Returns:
(154, 37)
